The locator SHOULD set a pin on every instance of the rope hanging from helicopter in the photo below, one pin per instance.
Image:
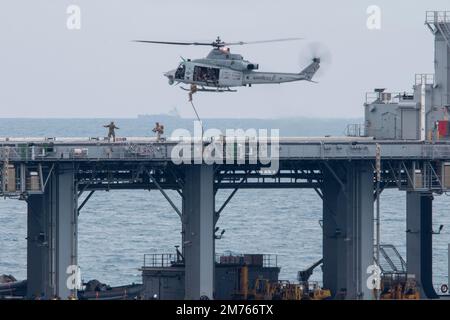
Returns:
(195, 110)
(191, 92)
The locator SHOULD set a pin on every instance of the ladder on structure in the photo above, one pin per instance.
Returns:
(390, 260)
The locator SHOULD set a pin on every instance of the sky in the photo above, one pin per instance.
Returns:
(48, 70)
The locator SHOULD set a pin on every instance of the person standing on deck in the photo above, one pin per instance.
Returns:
(159, 130)
(111, 133)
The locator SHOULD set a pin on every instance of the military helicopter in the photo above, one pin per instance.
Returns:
(221, 70)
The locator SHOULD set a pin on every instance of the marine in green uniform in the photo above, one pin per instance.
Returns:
(111, 133)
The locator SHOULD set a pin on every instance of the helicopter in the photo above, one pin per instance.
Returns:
(221, 70)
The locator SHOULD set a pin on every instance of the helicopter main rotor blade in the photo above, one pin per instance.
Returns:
(218, 43)
(176, 43)
(240, 43)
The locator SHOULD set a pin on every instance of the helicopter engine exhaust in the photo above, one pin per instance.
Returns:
(252, 66)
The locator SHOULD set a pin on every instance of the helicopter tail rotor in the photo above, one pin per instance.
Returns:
(319, 55)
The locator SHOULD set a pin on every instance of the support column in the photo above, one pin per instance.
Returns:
(66, 235)
(38, 268)
(348, 229)
(198, 220)
(419, 248)
(52, 238)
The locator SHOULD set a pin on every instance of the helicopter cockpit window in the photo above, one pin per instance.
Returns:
(179, 74)
(205, 74)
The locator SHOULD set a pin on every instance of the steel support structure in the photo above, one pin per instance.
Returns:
(348, 229)
(198, 226)
(346, 188)
(52, 237)
(419, 233)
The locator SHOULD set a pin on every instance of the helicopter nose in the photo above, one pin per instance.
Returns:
(170, 75)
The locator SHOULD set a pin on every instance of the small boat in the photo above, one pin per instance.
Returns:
(11, 287)
(95, 290)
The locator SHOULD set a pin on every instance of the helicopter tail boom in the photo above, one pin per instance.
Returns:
(311, 70)
(274, 77)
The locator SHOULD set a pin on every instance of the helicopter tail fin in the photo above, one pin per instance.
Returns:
(311, 70)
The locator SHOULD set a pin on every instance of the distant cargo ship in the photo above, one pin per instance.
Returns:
(173, 113)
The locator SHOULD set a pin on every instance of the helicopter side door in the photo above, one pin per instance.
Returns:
(206, 75)
(230, 78)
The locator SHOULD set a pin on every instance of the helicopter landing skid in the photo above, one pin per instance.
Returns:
(203, 89)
